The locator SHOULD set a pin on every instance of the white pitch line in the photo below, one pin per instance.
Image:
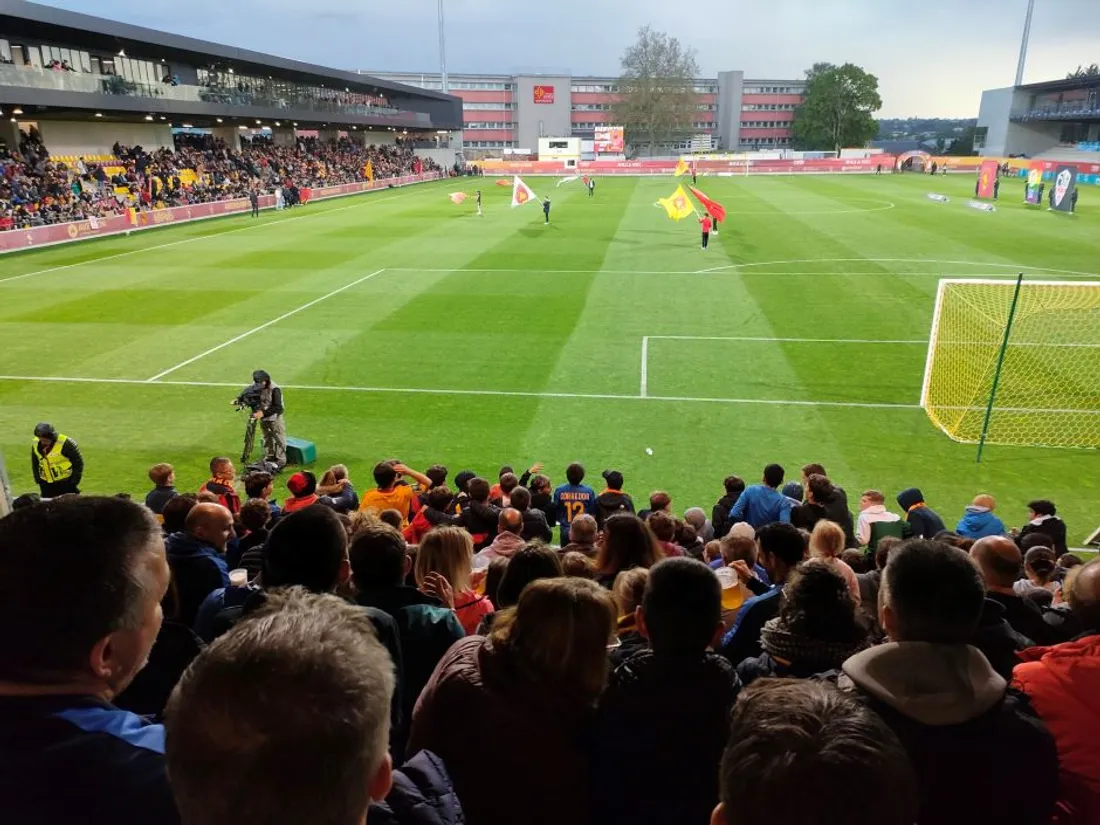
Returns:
(201, 237)
(894, 260)
(645, 367)
(530, 394)
(263, 326)
(784, 340)
(482, 393)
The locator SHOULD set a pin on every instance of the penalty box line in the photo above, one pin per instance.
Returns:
(139, 382)
(263, 326)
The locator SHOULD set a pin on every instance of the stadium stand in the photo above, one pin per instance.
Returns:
(37, 189)
(586, 729)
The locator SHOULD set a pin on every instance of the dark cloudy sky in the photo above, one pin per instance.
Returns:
(932, 58)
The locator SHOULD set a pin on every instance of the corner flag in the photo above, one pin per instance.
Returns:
(521, 192)
(677, 204)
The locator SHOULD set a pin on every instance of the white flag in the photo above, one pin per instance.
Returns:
(521, 192)
(569, 179)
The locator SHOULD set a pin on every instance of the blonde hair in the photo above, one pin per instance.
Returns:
(628, 589)
(827, 540)
(558, 635)
(985, 500)
(448, 551)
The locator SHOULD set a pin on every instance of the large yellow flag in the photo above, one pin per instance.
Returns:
(368, 171)
(682, 168)
(677, 205)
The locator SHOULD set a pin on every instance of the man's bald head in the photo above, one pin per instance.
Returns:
(210, 523)
(1084, 595)
(511, 521)
(999, 559)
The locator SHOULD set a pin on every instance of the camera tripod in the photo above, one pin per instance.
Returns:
(249, 440)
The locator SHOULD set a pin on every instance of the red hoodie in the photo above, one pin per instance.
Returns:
(1063, 684)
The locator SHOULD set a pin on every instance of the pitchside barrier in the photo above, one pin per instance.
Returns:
(1086, 172)
(14, 240)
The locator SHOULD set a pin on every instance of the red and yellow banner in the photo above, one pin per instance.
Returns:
(544, 94)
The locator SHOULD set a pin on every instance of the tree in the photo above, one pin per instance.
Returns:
(657, 88)
(1092, 70)
(839, 107)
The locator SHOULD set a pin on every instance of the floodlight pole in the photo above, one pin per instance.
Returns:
(1000, 364)
(1023, 44)
(443, 50)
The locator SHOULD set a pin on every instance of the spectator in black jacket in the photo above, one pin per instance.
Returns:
(999, 560)
(478, 516)
(612, 500)
(81, 581)
(970, 736)
(720, 514)
(238, 720)
(197, 557)
(824, 501)
(163, 477)
(1044, 520)
(534, 521)
(426, 626)
(255, 518)
(782, 549)
(816, 630)
(793, 751)
(542, 498)
(922, 519)
(662, 720)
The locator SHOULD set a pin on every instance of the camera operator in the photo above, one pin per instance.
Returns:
(267, 405)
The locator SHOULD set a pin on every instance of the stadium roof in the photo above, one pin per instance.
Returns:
(1064, 85)
(32, 20)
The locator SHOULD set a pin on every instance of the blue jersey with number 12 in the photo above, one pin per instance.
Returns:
(572, 501)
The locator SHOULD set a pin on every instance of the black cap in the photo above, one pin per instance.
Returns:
(614, 479)
(44, 430)
(260, 376)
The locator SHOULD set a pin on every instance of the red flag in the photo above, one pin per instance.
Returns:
(716, 210)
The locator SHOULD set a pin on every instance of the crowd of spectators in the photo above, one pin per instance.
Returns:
(37, 191)
(500, 650)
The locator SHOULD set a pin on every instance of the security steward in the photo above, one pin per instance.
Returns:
(56, 462)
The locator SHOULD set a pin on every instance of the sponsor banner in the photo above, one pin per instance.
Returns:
(544, 94)
(1065, 183)
(609, 140)
(987, 184)
(16, 239)
(1033, 192)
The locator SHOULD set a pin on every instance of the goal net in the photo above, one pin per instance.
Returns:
(1048, 389)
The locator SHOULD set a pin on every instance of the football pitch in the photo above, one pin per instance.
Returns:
(402, 325)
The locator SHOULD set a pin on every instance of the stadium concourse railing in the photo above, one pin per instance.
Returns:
(18, 239)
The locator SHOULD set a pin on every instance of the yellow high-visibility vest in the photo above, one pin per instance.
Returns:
(53, 466)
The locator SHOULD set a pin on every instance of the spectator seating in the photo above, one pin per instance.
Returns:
(37, 189)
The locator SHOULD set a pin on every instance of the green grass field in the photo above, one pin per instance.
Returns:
(402, 325)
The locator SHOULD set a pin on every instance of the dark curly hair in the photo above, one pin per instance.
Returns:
(818, 605)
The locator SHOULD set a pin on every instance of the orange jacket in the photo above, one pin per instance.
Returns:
(1063, 684)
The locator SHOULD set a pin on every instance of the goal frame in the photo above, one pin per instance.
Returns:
(933, 334)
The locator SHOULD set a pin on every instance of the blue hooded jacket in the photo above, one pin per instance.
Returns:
(979, 522)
